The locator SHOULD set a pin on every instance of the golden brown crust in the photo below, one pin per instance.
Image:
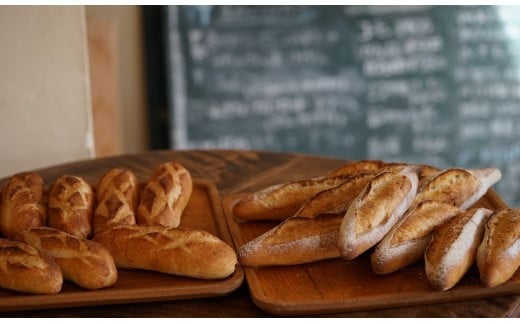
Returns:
(25, 269)
(165, 196)
(356, 167)
(498, 255)
(70, 208)
(178, 251)
(86, 263)
(21, 207)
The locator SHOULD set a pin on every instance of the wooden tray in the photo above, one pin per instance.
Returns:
(337, 285)
(204, 212)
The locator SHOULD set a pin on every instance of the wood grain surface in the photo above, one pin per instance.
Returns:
(234, 172)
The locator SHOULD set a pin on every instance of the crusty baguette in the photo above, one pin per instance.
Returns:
(165, 196)
(296, 240)
(282, 201)
(375, 210)
(178, 251)
(23, 268)
(407, 240)
(22, 206)
(498, 255)
(70, 206)
(356, 167)
(453, 247)
(458, 187)
(84, 262)
(116, 199)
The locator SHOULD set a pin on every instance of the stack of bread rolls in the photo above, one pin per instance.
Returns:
(399, 213)
(80, 233)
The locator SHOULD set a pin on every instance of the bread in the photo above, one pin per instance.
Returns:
(165, 196)
(375, 210)
(116, 200)
(22, 207)
(282, 201)
(407, 240)
(177, 251)
(86, 263)
(453, 247)
(356, 167)
(296, 240)
(70, 208)
(498, 255)
(458, 187)
(25, 269)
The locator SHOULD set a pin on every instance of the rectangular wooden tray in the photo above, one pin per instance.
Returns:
(338, 285)
(204, 212)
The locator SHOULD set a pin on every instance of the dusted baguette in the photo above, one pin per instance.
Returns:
(282, 201)
(407, 240)
(177, 251)
(22, 204)
(25, 269)
(453, 247)
(498, 255)
(70, 208)
(165, 196)
(86, 263)
(296, 240)
(375, 211)
(117, 199)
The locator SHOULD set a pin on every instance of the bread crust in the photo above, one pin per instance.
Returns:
(356, 167)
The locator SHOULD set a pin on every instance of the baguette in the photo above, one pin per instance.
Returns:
(25, 269)
(70, 208)
(117, 200)
(407, 240)
(356, 167)
(22, 204)
(178, 251)
(86, 263)
(296, 240)
(453, 247)
(375, 210)
(165, 196)
(282, 201)
(498, 255)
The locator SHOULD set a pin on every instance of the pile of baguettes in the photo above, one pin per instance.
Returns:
(82, 234)
(406, 212)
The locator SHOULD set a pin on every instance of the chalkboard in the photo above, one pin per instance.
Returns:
(429, 84)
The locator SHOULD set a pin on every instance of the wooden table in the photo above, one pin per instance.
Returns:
(235, 171)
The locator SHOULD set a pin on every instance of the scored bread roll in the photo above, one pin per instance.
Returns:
(22, 204)
(165, 196)
(70, 206)
(406, 242)
(296, 240)
(84, 262)
(282, 201)
(25, 269)
(117, 199)
(453, 247)
(179, 251)
(375, 210)
(498, 255)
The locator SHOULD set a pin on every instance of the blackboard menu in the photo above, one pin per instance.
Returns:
(429, 84)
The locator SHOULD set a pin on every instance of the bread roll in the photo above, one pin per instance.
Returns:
(22, 207)
(453, 247)
(407, 240)
(498, 255)
(117, 199)
(282, 201)
(85, 263)
(177, 251)
(296, 240)
(356, 167)
(70, 208)
(375, 210)
(25, 269)
(165, 196)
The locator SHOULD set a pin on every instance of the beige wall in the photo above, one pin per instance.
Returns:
(45, 114)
